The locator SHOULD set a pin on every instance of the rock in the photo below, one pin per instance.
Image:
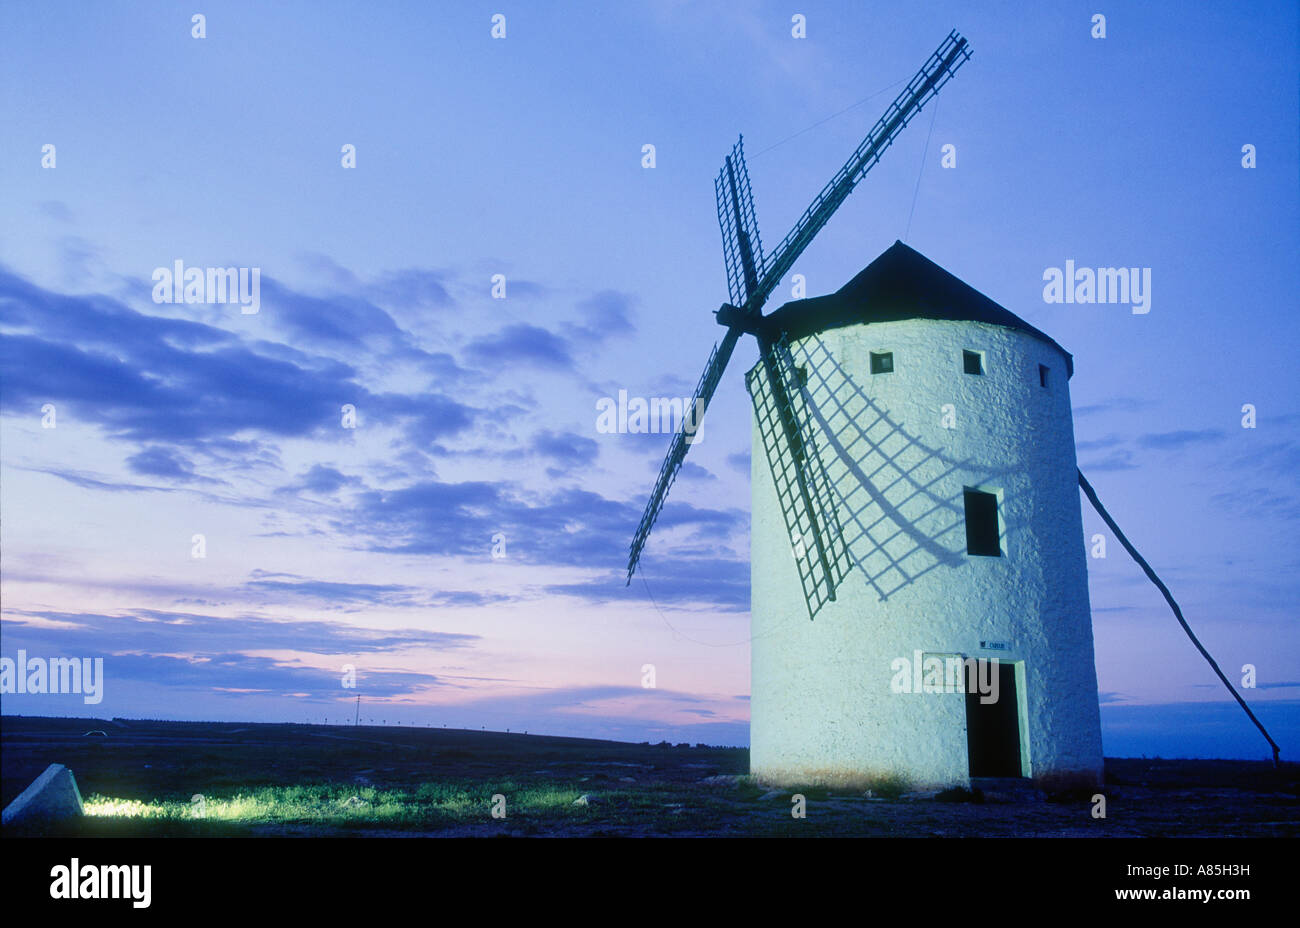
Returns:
(627, 779)
(919, 795)
(52, 795)
(723, 779)
(771, 794)
(587, 799)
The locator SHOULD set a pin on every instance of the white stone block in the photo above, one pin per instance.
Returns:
(52, 795)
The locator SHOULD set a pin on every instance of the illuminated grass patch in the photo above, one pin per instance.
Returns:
(437, 803)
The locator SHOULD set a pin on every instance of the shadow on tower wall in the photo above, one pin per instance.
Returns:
(899, 513)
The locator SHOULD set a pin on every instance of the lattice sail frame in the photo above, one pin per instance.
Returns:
(742, 249)
(681, 443)
(816, 538)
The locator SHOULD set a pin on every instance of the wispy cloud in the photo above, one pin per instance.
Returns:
(1177, 440)
(521, 344)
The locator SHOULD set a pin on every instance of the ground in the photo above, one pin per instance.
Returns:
(142, 778)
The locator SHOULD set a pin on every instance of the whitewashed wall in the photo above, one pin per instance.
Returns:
(822, 707)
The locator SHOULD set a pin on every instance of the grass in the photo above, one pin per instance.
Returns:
(430, 805)
(455, 805)
(450, 806)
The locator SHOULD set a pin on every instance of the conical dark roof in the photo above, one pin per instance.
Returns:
(901, 284)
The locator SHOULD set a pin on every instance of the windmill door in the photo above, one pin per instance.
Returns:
(993, 728)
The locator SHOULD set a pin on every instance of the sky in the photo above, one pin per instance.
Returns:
(461, 546)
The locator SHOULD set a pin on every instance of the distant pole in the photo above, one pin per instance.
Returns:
(357, 720)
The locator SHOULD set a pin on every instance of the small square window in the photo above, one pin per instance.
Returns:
(1042, 375)
(801, 373)
(972, 362)
(882, 362)
(982, 523)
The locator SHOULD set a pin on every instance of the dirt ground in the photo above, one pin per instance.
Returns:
(631, 789)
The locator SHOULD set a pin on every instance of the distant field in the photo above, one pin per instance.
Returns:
(140, 778)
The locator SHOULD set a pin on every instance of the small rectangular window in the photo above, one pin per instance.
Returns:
(972, 362)
(801, 373)
(1042, 375)
(882, 362)
(982, 524)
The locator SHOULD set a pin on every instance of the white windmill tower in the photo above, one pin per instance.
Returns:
(959, 641)
(916, 496)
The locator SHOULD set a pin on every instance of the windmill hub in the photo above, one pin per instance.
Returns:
(734, 317)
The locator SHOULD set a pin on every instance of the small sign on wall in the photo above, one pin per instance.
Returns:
(995, 645)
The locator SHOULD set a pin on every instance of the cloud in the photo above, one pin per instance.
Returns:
(237, 675)
(56, 210)
(86, 482)
(163, 632)
(336, 321)
(285, 586)
(589, 697)
(693, 471)
(1118, 404)
(1276, 457)
(679, 579)
(321, 480)
(351, 323)
(282, 587)
(565, 448)
(1260, 502)
(159, 380)
(520, 344)
(412, 287)
(605, 315)
(569, 526)
(1119, 460)
(170, 465)
(1097, 444)
(1173, 441)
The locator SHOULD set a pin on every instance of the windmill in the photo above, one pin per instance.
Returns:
(775, 384)
(946, 561)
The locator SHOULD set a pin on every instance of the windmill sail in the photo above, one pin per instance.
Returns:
(682, 440)
(803, 488)
(742, 249)
(937, 71)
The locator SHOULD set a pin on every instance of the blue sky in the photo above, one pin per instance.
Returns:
(522, 157)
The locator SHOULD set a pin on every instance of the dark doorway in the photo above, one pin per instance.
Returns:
(993, 729)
